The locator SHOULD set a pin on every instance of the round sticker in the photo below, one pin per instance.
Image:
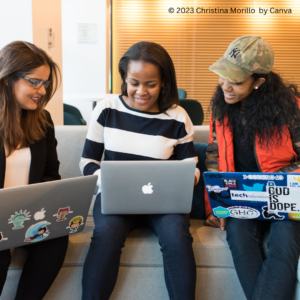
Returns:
(243, 212)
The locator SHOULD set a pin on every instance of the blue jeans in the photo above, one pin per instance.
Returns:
(102, 262)
(267, 278)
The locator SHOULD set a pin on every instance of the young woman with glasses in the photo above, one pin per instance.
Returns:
(28, 80)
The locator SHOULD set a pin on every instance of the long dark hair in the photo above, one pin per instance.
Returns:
(272, 106)
(155, 54)
(21, 58)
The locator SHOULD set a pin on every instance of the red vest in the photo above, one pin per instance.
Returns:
(269, 159)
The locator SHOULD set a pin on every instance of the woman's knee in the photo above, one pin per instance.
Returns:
(177, 234)
(110, 232)
(285, 238)
(242, 233)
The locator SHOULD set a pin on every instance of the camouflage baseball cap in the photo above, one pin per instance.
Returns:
(246, 55)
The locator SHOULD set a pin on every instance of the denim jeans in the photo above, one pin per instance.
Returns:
(102, 262)
(267, 278)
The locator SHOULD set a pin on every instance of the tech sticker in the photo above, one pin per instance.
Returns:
(221, 212)
(243, 212)
(37, 232)
(18, 219)
(249, 195)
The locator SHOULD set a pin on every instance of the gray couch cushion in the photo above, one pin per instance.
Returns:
(69, 149)
(142, 248)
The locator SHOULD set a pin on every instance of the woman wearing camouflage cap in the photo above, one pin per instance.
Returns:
(255, 127)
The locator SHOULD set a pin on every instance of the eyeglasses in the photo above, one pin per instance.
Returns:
(37, 83)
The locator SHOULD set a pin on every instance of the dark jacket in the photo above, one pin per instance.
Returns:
(44, 161)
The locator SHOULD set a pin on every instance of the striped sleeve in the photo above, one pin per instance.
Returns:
(185, 150)
(94, 144)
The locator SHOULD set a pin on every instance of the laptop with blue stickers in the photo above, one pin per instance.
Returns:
(262, 196)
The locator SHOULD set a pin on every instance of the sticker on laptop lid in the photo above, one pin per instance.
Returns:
(75, 223)
(243, 212)
(263, 177)
(257, 187)
(61, 213)
(231, 183)
(249, 196)
(39, 215)
(271, 214)
(294, 217)
(293, 181)
(221, 212)
(210, 175)
(270, 183)
(18, 219)
(216, 188)
(283, 199)
(2, 238)
(37, 232)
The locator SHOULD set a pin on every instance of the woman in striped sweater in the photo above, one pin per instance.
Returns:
(144, 123)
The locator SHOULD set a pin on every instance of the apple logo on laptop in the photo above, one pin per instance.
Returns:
(147, 189)
(40, 215)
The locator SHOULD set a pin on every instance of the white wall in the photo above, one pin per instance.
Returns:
(28, 20)
(15, 21)
(84, 64)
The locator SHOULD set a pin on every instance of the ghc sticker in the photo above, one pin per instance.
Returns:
(243, 212)
(221, 212)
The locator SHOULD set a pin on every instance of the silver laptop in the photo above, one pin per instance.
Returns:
(43, 211)
(147, 187)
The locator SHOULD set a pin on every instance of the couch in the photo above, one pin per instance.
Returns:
(141, 270)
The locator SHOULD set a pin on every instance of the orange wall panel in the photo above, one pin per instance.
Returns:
(196, 40)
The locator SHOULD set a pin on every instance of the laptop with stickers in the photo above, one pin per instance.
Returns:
(44, 211)
(262, 196)
(147, 187)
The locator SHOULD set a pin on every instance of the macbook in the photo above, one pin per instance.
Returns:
(43, 211)
(147, 187)
(263, 196)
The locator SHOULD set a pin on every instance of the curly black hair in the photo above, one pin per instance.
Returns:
(272, 106)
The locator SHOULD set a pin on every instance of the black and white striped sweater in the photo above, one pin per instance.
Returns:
(123, 133)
